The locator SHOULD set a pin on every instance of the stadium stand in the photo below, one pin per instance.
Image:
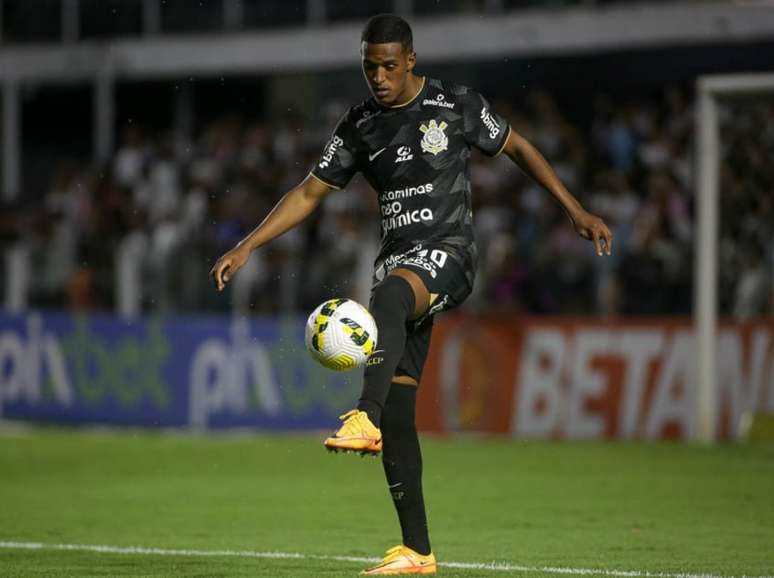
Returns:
(151, 220)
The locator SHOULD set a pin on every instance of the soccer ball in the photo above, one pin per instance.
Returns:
(340, 334)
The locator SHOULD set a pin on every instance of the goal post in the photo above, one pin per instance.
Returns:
(710, 90)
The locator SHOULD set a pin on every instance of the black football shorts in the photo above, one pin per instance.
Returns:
(445, 279)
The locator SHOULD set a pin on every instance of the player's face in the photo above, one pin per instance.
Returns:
(386, 68)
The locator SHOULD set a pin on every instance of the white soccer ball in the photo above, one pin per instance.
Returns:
(341, 334)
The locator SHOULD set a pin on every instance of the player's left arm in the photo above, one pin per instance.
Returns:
(529, 159)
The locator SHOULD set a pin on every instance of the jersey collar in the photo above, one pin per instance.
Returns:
(409, 102)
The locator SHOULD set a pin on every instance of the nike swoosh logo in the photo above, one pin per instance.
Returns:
(395, 485)
(376, 154)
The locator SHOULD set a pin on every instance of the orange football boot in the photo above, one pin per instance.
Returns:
(357, 434)
(403, 560)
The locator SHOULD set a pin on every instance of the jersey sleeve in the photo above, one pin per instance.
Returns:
(484, 128)
(338, 162)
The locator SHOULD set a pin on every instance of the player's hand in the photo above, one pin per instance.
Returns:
(227, 266)
(594, 229)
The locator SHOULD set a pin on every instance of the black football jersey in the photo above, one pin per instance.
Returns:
(416, 157)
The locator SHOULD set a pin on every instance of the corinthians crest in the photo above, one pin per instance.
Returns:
(435, 140)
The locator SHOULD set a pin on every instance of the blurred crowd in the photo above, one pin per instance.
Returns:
(140, 233)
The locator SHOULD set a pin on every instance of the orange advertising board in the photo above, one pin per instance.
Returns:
(588, 379)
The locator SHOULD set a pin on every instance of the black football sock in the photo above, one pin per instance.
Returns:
(402, 460)
(392, 303)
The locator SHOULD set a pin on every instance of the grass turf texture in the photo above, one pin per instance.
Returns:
(644, 507)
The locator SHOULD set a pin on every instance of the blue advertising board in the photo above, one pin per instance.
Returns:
(188, 372)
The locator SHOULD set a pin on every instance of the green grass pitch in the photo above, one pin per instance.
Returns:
(646, 508)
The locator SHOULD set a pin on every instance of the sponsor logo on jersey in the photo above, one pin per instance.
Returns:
(394, 260)
(435, 140)
(439, 100)
(330, 150)
(395, 215)
(406, 193)
(393, 220)
(404, 154)
(490, 123)
(430, 261)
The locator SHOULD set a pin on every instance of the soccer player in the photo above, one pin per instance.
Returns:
(412, 141)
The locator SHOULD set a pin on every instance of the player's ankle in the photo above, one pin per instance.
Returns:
(421, 547)
(373, 410)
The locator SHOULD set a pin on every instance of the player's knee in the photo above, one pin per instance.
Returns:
(393, 297)
(405, 380)
(421, 294)
(398, 415)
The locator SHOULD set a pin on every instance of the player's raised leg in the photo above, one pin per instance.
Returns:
(398, 298)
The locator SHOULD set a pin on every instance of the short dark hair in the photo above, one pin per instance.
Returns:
(384, 28)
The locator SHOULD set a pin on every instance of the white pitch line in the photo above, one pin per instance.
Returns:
(491, 566)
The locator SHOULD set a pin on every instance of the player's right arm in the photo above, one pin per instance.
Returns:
(336, 167)
(294, 207)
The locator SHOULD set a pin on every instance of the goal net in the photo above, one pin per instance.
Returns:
(735, 231)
